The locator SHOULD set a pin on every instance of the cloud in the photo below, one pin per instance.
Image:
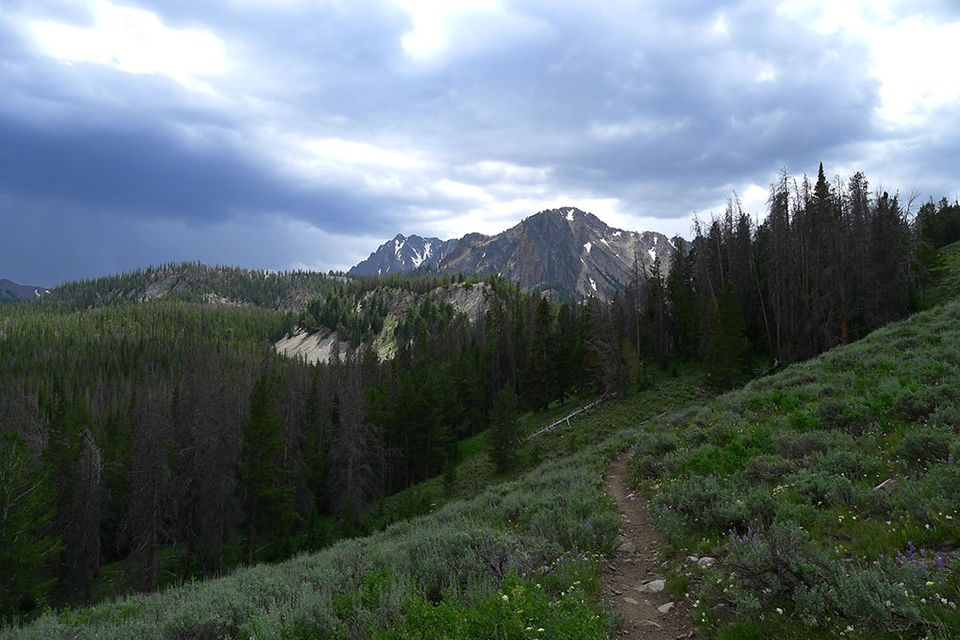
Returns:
(170, 124)
(135, 41)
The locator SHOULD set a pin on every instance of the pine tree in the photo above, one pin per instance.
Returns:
(728, 349)
(683, 305)
(266, 494)
(504, 429)
(27, 505)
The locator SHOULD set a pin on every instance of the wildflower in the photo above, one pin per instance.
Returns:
(779, 610)
(506, 598)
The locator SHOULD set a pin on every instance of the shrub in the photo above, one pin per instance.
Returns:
(941, 487)
(843, 462)
(802, 445)
(771, 564)
(767, 468)
(708, 459)
(844, 414)
(656, 443)
(803, 515)
(818, 488)
(704, 500)
(803, 420)
(760, 505)
(646, 467)
(947, 416)
(914, 405)
(925, 445)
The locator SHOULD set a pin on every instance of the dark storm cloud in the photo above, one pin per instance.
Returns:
(321, 121)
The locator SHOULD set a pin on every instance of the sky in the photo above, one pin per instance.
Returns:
(283, 134)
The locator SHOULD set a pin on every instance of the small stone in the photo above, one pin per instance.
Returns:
(651, 623)
(665, 608)
(628, 547)
(630, 601)
(654, 586)
(706, 562)
(693, 559)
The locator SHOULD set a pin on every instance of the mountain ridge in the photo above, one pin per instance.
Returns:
(566, 251)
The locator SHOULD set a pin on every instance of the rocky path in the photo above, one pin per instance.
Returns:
(633, 577)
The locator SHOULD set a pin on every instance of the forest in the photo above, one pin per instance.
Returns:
(147, 441)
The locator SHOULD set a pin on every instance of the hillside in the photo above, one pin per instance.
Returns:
(387, 314)
(830, 493)
(12, 292)
(567, 252)
(194, 282)
(776, 481)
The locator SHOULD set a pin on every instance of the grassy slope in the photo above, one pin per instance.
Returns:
(475, 472)
(778, 481)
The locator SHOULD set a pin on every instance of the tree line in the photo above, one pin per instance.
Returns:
(830, 262)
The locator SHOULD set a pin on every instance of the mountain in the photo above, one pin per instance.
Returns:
(566, 251)
(404, 254)
(12, 292)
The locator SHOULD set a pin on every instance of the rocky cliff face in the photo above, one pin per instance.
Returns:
(326, 344)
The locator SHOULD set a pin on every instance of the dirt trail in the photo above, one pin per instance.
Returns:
(630, 576)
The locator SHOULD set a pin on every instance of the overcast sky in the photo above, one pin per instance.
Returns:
(302, 133)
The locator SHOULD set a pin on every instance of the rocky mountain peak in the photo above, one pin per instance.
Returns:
(567, 252)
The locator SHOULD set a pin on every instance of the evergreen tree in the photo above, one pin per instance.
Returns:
(504, 429)
(682, 305)
(728, 349)
(27, 507)
(265, 492)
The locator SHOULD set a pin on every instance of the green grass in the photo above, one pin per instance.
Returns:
(778, 481)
